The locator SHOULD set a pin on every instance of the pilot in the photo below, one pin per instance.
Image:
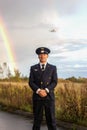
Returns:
(42, 80)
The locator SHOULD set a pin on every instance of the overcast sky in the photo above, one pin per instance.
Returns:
(30, 24)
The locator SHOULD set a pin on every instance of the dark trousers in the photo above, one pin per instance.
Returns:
(49, 107)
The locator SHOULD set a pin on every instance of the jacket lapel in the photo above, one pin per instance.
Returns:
(39, 69)
(47, 69)
(44, 73)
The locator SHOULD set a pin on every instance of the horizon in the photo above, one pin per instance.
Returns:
(5, 71)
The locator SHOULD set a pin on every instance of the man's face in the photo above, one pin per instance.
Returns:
(43, 58)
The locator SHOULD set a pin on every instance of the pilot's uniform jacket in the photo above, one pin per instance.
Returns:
(43, 79)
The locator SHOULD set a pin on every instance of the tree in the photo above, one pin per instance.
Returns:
(17, 73)
(9, 75)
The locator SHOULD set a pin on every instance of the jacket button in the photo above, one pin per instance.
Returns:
(47, 82)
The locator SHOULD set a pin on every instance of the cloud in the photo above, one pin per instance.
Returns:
(68, 46)
(69, 55)
(80, 66)
(67, 7)
(32, 11)
(29, 23)
(20, 11)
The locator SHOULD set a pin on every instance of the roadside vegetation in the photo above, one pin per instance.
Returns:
(71, 102)
(70, 94)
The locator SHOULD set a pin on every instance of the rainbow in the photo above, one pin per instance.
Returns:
(7, 43)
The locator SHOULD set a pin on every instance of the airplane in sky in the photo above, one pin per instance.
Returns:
(53, 30)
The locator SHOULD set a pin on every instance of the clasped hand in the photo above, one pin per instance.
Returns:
(42, 93)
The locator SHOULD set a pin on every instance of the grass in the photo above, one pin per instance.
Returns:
(71, 100)
(16, 95)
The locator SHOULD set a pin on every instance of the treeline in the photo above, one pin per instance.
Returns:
(17, 77)
(78, 80)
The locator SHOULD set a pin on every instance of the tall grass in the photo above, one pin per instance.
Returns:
(15, 96)
(71, 100)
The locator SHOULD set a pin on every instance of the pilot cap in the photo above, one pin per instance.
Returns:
(42, 50)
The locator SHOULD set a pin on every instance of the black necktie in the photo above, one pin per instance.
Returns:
(42, 67)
